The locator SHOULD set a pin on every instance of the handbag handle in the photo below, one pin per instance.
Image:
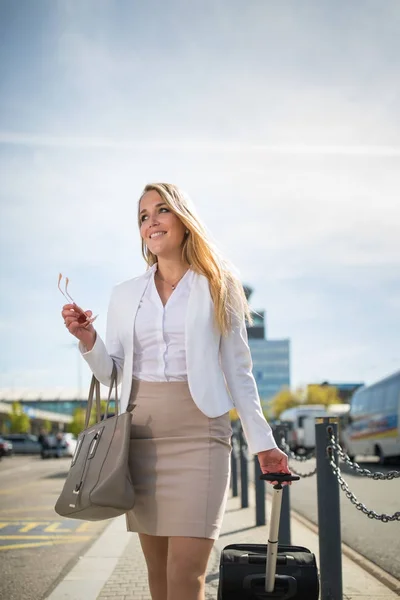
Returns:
(95, 391)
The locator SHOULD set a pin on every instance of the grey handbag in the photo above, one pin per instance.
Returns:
(98, 484)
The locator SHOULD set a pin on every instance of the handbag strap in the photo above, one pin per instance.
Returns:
(113, 384)
(95, 391)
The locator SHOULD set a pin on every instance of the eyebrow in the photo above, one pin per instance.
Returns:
(157, 206)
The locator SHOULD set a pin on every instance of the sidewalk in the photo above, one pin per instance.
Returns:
(114, 567)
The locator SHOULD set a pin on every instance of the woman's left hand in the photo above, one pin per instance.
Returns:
(273, 461)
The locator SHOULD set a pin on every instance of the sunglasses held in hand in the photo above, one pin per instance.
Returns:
(83, 319)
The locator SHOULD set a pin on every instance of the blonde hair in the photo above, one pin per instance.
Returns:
(227, 293)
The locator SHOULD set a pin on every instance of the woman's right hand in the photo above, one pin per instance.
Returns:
(85, 332)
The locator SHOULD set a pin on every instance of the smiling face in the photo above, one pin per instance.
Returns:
(162, 231)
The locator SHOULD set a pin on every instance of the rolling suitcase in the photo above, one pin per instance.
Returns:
(262, 571)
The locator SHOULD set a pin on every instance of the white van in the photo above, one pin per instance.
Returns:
(301, 439)
(302, 419)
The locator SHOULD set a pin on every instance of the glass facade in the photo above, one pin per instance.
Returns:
(271, 358)
(64, 407)
(271, 366)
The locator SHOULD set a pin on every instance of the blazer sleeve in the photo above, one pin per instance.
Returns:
(237, 366)
(101, 357)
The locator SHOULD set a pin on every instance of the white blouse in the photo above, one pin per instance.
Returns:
(159, 333)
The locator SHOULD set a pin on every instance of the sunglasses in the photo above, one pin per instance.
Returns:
(83, 319)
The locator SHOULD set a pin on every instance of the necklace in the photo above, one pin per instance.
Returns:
(173, 285)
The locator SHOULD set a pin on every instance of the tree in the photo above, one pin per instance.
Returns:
(47, 425)
(19, 421)
(78, 421)
(78, 418)
(312, 394)
(322, 394)
(283, 400)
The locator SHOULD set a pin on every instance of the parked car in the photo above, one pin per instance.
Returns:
(53, 446)
(6, 447)
(23, 443)
(71, 442)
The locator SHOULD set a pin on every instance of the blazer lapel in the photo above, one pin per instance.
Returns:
(133, 297)
(199, 309)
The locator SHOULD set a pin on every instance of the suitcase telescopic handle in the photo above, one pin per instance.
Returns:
(272, 548)
(279, 477)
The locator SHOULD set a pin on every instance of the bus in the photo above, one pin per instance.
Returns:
(374, 420)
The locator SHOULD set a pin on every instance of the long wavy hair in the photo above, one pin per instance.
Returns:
(227, 293)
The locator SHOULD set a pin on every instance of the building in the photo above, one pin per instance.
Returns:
(52, 406)
(39, 417)
(271, 358)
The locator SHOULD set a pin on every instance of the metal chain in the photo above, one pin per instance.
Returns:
(355, 466)
(371, 514)
(285, 447)
(303, 475)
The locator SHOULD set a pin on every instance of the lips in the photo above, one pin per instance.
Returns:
(157, 234)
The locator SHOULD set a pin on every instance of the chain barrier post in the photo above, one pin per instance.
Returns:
(244, 476)
(260, 493)
(234, 463)
(329, 526)
(284, 535)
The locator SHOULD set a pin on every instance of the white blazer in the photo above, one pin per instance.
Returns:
(219, 368)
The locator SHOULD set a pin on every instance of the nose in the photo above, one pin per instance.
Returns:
(152, 221)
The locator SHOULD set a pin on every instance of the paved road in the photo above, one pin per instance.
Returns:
(37, 546)
(380, 542)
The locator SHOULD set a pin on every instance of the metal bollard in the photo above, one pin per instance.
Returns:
(234, 466)
(244, 476)
(285, 534)
(330, 550)
(260, 493)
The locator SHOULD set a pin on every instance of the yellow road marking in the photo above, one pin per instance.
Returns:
(24, 520)
(84, 527)
(29, 527)
(49, 526)
(56, 528)
(44, 537)
(38, 544)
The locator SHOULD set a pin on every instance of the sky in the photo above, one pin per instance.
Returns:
(281, 121)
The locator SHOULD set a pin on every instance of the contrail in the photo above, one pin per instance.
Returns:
(187, 145)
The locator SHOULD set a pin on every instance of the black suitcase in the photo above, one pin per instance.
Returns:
(261, 571)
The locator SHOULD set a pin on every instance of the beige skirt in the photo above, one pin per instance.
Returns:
(179, 461)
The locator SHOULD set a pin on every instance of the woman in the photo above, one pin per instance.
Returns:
(177, 335)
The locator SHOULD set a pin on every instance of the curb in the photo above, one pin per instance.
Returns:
(89, 575)
(383, 576)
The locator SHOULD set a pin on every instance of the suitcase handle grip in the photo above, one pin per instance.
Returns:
(279, 477)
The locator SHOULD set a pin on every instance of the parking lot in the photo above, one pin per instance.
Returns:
(36, 545)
